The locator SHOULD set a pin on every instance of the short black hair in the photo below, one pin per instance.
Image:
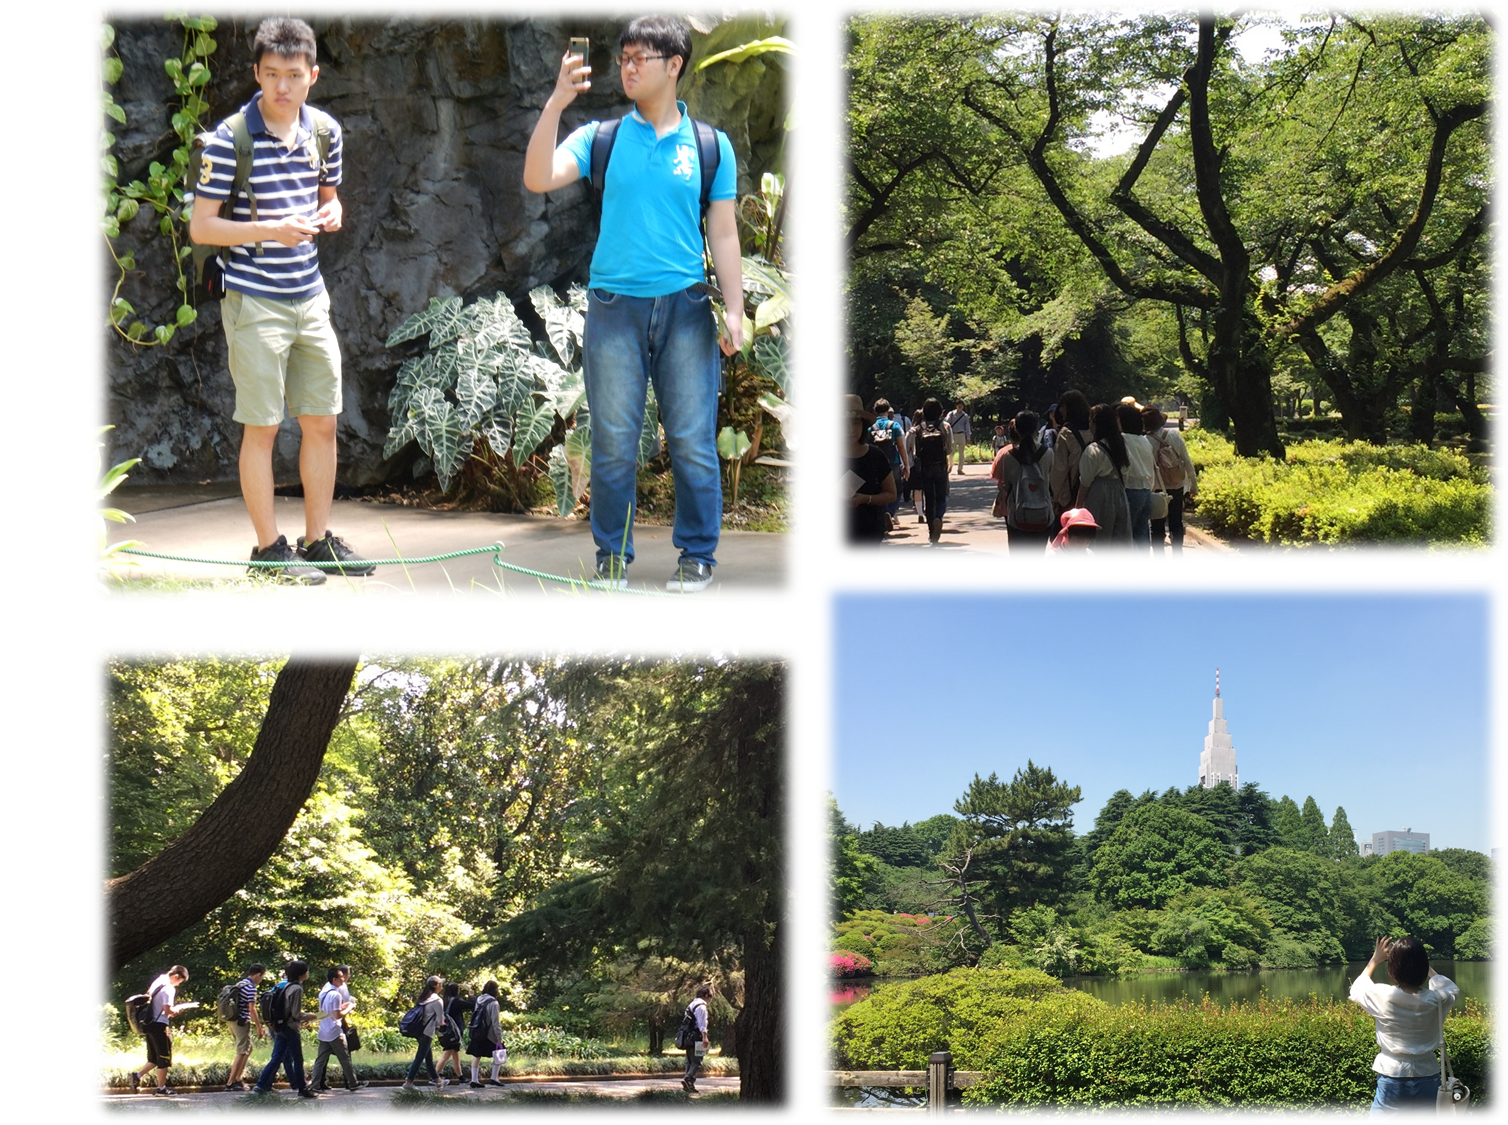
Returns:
(254, 968)
(932, 410)
(346, 969)
(178, 971)
(296, 970)
(1408, 963)
(663, 34)
(282, 36)
(334, 974)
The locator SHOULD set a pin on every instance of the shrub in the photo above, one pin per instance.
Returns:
(899, 1027)
(855, 941)
(1269, 1053)
(849, 965)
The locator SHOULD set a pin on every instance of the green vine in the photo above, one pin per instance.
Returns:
(162, 190)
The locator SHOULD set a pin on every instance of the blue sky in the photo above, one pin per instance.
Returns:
(1375, 703)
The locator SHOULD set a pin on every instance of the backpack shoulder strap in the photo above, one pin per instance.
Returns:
(709, 156)
(602, 150)
(324, 128)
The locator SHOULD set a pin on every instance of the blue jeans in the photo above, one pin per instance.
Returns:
(423, 1054)
(288, 1050)
(1139, 500)
(1394, 1094)
(670, 341)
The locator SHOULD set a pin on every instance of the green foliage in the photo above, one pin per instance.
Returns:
(901, 944)
(1022, 830)
(1475, 942)
(1337, 492)
(1157, 853)
(98, 489)
(1195, 1055)
(899, 1027)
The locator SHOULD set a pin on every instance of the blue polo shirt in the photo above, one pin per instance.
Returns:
(287, 182)
(650, 242)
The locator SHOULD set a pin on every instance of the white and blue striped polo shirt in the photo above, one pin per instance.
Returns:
(287, 182)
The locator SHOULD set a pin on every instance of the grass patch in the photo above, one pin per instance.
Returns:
(763, 498)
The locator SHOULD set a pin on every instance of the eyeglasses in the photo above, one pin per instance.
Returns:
(636, 61)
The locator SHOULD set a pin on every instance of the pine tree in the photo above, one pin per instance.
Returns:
(1289, 827)
(1342, 837)
(1315, 835)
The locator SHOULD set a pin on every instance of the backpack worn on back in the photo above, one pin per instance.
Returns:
(412, 1021)
(688, 1035)
(228, 1003)
(209, 265)
(882, 437)
(274, 1005)
(1031, 499)
(139, 1011)
(707, 152)
(931, 446)
(1169, 466)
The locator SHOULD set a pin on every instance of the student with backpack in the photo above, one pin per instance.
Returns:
(449, 1035)
(1140, 473)
(1176, 476)
(422, 1022)
(149, 1013)
(1022, 471)
(1102, 477)
(274, 166)
(1073, 438)
(930, 444)
(282, 1010)
(485, 1039)
(241, 1016)
(692, 1034)
(888, 436)
(649, 313)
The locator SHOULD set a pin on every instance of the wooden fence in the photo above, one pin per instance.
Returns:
(939, 1079)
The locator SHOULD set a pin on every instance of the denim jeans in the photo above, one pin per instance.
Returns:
(671, 342)
(1394, 1094)
(287, 1049)
(422, 1054)
(1139, 500)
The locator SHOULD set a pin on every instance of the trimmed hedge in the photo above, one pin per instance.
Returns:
(899, 1027)
(1272, 1053)
(1339, 492)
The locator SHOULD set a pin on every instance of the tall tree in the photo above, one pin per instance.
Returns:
(1342, 838)
(1313, 832)
(246, 823)
(1159, 852)
(1024, 829)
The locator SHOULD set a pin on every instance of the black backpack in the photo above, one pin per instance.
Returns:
(707, 153)
(687, 1035)
(273, 1005)
(139, 1010)
(931, 446)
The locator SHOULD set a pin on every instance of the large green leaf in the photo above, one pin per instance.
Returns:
(761, 277)
(774, 44)
(571, 393)
(552, 375)
(442, 365)
(441, 311)
(445, 435)
(578, 451)
(400, 435)
(425, 405)
(497, 429)
(563, 323)
(497, 325)
(784, 413)
(772, 310)
(560, 477)
(772, 357)
(516, 382)
(475, 393)
(404, 384)
(531, 426)
(732, 444)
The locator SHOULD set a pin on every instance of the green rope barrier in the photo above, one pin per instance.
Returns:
(495, 551)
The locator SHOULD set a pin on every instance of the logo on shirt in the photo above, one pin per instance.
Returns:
(682, 166)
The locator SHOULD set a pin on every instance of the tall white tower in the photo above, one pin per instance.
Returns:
(1217, 762)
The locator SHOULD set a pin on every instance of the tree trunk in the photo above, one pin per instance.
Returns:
(244, 825)
(758, 1031)
(1422, 408)
(656, 1036)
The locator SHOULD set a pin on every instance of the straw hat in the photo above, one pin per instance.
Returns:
(851, 406)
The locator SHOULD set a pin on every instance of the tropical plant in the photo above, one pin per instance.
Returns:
(100, 487)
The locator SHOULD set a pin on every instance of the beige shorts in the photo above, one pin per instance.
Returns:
(242, 1035)
(281, 350)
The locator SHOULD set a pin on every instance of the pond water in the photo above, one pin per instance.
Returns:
(1481, 980)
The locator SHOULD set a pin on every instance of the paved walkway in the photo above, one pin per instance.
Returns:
(625, 1088)
(968, 526)
(216, 527)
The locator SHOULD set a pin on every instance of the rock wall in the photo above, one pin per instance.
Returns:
(436, 117)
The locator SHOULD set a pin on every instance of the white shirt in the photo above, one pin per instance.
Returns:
(1408, 1023)
(330, 1003)
(1141, 471)
(163, 995)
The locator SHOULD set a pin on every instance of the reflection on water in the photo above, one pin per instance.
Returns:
(1480, 980)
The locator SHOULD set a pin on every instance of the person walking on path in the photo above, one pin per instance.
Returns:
(1176, 476)
(869, 481)
(164, 1006)
(1102, 477)
(958, 421)
(696, 1012)
(889, 437)
(433, 1012)
(1140, 473)
(930, 447)
(333, 1007)
(649, 314)
(1022, 471)
(1073, 438)
(287, 1020)
(275, 311)
(485, 1040)
(1410, 1021)
(456, 1008)
(247, 1016)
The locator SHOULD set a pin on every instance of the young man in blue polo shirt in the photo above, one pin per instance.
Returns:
(647, 319)
(276, 312)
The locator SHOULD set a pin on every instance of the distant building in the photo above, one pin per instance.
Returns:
(1218, 761)
(1406, 841)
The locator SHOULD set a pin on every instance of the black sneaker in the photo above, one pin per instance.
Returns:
(358, 1086)
(689, 577)
(476, 1086)
(307, 1093)
(165, 1091)
(280, 552)
(333, 549)
(612, 572)
(135, 1082)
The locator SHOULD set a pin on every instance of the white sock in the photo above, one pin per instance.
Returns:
(476, 1069)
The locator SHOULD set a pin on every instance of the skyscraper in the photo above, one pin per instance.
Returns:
(1217, 763)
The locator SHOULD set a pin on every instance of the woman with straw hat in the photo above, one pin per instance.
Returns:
(863, 483)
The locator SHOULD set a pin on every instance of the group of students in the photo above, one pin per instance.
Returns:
(440, 1012)
(1084, 476)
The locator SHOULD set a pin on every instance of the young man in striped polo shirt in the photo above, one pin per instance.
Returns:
(276, 312)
